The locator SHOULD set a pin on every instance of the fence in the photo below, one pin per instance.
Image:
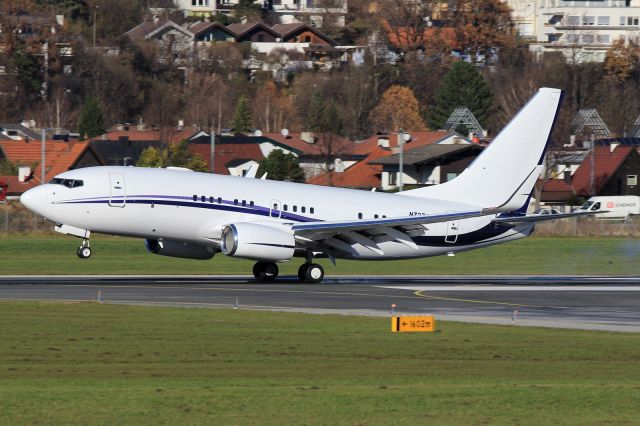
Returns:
(16, 219)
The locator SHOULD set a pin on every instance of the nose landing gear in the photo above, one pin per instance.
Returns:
(84, 251)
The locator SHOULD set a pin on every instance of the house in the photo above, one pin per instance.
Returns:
(612, 167)
(175, 41)
(255, 32)
(210, 32)
(16, 132)
(234, 155)
(59, 157)
(379, 168)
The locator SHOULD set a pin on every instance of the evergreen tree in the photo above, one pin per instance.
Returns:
(462, 86)
(281, 166)
(242, 117)
(91, 121)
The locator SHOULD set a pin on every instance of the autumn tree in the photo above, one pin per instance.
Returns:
(174, 155)
(397, 110)
(620, 60)
(481, 27)
(408, 23)
(281, 166)
(462, 86)
(272, 108)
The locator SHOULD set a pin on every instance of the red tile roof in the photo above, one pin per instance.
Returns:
(294, 140)
(60, 156)
(606, 165)
(227, 152)
(365, 175)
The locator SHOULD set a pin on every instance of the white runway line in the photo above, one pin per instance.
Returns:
(510, 288)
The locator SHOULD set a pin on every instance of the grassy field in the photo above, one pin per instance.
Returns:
(113, 255)
(104, 364)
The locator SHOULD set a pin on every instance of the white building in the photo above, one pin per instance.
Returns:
(582, 30)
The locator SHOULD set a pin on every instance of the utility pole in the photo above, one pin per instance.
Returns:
(43, 156)
(592, 173)
(401, 160)
(212, 153)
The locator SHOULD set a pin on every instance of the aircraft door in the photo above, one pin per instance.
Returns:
(274, 209)
(453, 228)
(117, 190)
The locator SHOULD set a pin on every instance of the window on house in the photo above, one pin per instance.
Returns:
(632, 180)
(451, 176)
(573, 38)
(194, 2)
(623, 20)
(260, 37)
(307, 39)
(393, 178)
(603, 20)
(573, 20)
(587, 38)
(603, 38)
(632, 20)
(588, 20)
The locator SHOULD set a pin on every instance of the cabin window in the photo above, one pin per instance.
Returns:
(250, 203)
(311, 210)
(195, 197)
(235, 201)
(203, 198)
(295, 208)
(384, 216)
(285, 207)
(303, 209)
(359, 215)
(375, 216)
(244, 203)
(219, 200)
(211, 200)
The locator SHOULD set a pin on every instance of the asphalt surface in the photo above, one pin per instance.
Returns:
(598, 303)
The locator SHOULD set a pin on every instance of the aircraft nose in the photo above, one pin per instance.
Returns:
(35, 199)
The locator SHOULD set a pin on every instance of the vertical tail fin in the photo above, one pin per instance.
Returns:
(504, 174)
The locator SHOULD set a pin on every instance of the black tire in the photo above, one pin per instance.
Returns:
(84, 252)
(314, 273)
(265, 271)
(302, 272)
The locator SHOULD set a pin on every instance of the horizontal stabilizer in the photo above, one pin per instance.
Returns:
(532, 218)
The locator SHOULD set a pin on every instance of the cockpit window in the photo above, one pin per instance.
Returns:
(69, 183)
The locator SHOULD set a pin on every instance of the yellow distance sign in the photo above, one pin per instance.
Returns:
(416, 323)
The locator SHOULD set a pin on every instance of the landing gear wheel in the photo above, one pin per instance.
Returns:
(314, 273)
(84, 252)
(265, 271)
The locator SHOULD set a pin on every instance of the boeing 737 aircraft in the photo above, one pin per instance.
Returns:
(193, 215)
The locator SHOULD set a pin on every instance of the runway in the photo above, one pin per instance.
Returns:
(597, 303)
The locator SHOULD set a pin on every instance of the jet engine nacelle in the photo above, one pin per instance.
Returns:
(257, 242)
(182, 249)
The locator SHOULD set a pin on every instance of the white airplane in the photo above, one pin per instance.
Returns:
(193, 215)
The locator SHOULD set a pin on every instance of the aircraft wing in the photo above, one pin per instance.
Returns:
(331, 236)
(363, 225)
(532, 218)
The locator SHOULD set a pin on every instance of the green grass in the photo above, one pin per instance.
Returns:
(88, 363)
(114, 255)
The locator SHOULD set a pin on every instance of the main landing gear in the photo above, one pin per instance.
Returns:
(311, 273)
(265, 271)
(84, 251)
